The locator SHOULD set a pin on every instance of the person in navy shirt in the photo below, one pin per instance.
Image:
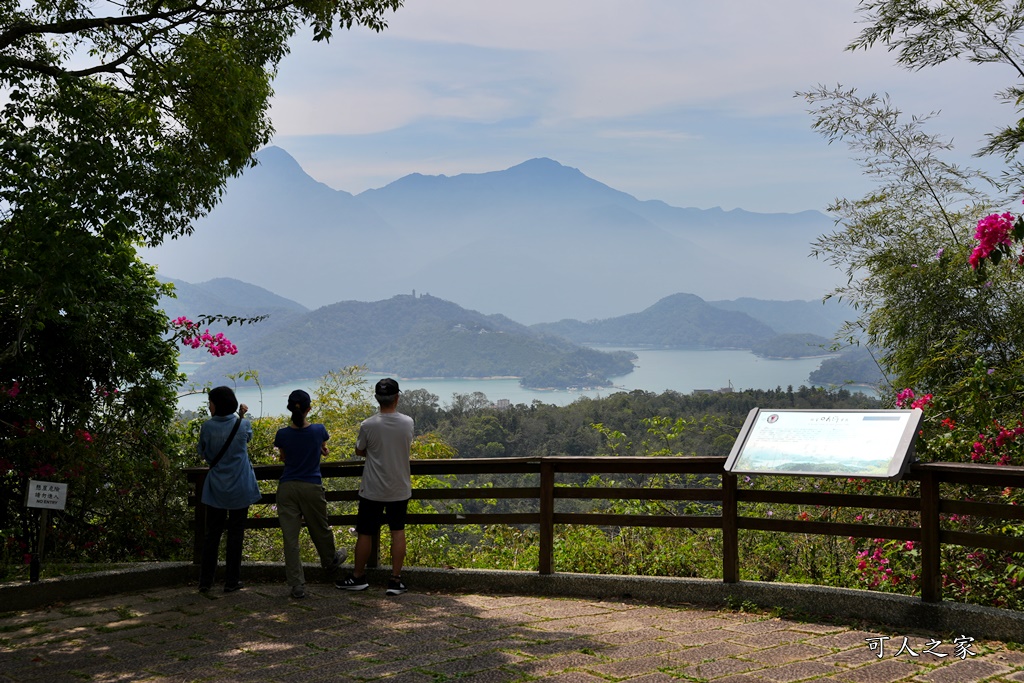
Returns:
(300, 493)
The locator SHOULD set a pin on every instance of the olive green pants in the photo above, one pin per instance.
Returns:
(299, 501)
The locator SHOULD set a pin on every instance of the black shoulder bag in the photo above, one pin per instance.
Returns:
(224, 448)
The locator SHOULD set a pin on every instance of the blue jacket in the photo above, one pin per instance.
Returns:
(231, 485)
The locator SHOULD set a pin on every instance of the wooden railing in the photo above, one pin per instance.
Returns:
(724, 494)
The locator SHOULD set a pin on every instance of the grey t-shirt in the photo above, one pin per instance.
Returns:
(386, 437)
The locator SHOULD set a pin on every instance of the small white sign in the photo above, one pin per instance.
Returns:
(47, 494)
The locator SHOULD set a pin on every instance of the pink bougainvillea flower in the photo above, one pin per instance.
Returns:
(993, 231)
(903, 396)
(922, 402)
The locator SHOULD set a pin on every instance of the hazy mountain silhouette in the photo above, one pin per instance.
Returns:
(677, 321)
(537, 242)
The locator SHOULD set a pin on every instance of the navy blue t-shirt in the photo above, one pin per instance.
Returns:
(301, 448)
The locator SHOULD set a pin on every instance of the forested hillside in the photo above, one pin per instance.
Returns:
(413, 336)
(476, 429)
(853, 366)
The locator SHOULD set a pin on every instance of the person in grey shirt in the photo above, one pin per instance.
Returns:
(386, 487)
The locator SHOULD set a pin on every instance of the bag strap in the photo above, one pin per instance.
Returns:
(224, 448)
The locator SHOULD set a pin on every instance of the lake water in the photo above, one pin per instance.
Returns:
(657, 370)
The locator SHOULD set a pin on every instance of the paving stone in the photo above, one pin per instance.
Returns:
(410, 677)
(633, 636)
(629, 668)
(489, 676)
(700, 637)
(710, 652)
(784, 654)
(639, 649)
(564, 609)
(557, 664)
(796, 671)
(769, 638)
(844, 640)
(719, 668)
(573, 677)
(706, 623)
(970, 670)
(883, 671)
(458, 667)
(847, 658)
(654, 678)
(810, 627)
(477, 650)
(758, 627)
(1007, 657)
(550, 648)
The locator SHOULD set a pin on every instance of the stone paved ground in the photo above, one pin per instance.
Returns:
(259, 634)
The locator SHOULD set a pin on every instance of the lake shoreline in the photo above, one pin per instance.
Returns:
(657, 371)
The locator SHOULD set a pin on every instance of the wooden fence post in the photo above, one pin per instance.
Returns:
(931, 549)
(547, 517)
(730, 530)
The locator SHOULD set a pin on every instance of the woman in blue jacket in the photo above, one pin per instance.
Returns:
(230, 486)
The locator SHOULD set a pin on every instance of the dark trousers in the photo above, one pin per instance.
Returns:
(217, 521)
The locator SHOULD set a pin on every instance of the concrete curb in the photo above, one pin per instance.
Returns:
(833, 604)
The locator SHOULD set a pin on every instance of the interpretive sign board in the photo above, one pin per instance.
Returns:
(873, 444)
(47, 495)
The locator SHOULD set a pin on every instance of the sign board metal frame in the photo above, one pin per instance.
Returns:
(870, 444)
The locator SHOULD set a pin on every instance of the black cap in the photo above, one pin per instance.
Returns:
(298, 400)
(386, 388)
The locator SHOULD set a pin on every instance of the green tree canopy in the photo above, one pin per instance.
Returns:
(924, 34)
(947, 332)
(120, 125)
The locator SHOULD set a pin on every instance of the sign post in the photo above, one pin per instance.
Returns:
(869, 444)
(45, 496)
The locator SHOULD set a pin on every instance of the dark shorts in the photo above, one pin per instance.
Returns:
(372, 514)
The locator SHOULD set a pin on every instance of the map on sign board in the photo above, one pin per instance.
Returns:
(876, 444)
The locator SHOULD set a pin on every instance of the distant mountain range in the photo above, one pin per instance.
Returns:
(425, 336)
(537, 242)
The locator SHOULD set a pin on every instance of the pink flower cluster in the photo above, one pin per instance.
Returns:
(12, 390)
(907, 397)
(994, 231)
(999, 448)
(217, 344)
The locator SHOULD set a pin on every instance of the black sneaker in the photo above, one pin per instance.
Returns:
(353, 584)
(395, 586)
(233, 587)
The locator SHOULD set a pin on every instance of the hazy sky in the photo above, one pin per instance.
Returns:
(686, 101)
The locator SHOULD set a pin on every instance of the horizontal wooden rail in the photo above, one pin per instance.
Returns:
(711, 490)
